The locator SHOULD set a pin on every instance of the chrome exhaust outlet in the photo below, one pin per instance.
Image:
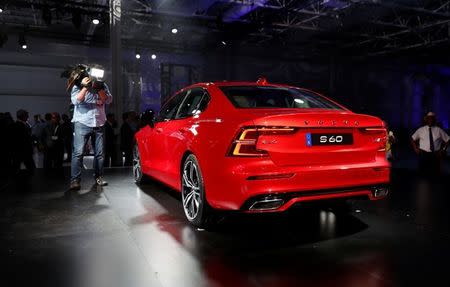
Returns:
(380, 191)
(267, 203)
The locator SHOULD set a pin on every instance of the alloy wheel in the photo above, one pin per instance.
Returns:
(137, 171)
(191, 189)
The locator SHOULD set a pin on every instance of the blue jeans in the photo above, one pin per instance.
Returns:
(82, 134)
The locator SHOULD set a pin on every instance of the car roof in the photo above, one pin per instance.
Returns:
(240, 83)
(261, 82)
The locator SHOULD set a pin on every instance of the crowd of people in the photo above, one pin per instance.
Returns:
(51, 139)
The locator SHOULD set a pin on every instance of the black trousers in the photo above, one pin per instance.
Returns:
(27, 161)
(430, 163)
(110, 155)
(68, 146)
(128, 154)
(53, 157)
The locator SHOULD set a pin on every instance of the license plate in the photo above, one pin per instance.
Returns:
(328, 139)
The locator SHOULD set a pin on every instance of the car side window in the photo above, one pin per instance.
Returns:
(170, 108)
(196, 101)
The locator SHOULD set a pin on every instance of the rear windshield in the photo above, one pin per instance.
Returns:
(275, 97)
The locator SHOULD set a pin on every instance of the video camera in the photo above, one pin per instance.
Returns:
(77, 73)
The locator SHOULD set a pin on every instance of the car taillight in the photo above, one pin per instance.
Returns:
(245, 142)
(379, 135)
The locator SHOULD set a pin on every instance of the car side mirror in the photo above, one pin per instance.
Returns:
(148, 118)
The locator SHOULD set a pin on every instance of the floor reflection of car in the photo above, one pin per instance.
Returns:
(260, 147)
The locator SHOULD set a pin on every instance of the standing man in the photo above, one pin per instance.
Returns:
(37, 128)
(88, 118)
(52, 142)
(430, 143)
(22, 143)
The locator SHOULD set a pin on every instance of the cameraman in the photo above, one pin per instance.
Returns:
(88, 118)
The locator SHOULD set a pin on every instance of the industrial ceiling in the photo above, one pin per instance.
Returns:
(358, 28)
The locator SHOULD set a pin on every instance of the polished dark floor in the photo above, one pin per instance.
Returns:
(125, 235)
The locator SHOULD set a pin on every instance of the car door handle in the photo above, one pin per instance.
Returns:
(159, 130)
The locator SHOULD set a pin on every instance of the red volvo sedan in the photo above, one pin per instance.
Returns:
(260, 147)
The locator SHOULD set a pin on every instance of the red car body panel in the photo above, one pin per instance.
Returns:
(291, 168)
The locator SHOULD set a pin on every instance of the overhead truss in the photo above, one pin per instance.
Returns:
(374, 26)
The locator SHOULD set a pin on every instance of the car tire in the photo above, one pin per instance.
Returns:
(138, 176)
(195, 207)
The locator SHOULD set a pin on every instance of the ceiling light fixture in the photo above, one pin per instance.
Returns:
(1, 10)
(174, 30)
(95, 21)
(22, 42)
(153, 56)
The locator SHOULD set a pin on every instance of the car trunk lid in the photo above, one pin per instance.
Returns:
(321, 137)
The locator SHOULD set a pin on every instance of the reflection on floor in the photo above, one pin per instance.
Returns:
(125, 235)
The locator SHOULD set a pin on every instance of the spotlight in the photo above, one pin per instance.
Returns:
(174, 30)
(95, 21)
(137, 54)
(96, 72)
(224, 43)
(153, 56)
(1, 10)
(22, 42)
(47, 16)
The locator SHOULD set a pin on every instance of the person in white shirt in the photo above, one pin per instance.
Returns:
(430, 142)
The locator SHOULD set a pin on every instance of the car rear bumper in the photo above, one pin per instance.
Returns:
(240, 187)
(283, 201)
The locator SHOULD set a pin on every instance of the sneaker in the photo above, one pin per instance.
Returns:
(75, 185)
(100, 182)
